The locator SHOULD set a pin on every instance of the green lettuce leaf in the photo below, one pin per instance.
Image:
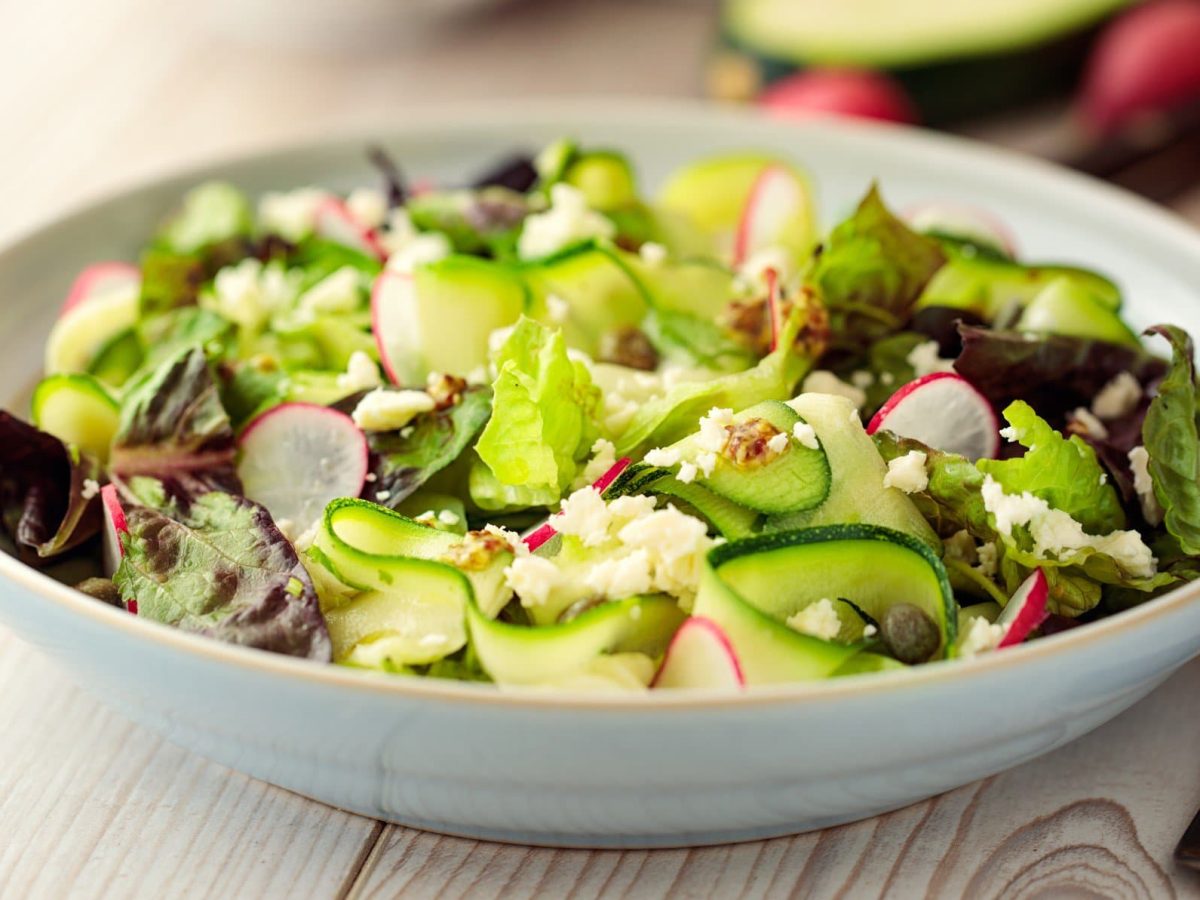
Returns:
(1171, 436)
(952, 501)
(405, 460)
(544, 418)
(218, 566)
(1062, 471)
(41, 491)
(211, 213)
(871, 271)
(666, 419)
(174, 428)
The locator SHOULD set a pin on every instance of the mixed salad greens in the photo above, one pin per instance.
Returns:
(545, 432)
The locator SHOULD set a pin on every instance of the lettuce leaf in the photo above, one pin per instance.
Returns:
(41, 491)
(952, 501)
(1171, 436)
(218, 566)
(402, 464)
(174, 428)
(1062, 471)
(671, 417)
(870, 273)
(1053, 374)
(544, 416)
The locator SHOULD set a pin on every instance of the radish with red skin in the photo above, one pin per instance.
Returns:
(335, 222)
(943, 411)
(1026, 610)
(392, 297)
(546, 531)
(1147, 61)
(100, 278)
(775, 201)
(774, 307)
(115, 528)
(700, 655)
(963, 221)
(848, 92)
(297, 457)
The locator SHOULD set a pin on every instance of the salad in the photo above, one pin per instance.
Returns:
(543, 431)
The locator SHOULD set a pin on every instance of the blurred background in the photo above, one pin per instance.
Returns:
(99, 93)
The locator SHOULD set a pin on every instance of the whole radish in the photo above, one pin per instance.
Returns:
(1147, 61)
(847, 92)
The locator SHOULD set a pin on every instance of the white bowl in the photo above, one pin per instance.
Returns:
(666, 769)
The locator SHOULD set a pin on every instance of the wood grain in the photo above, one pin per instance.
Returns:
(98, 95)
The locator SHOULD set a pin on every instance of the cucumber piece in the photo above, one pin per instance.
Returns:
(605, 178)
(118, 359)
(313, 386)
(552, 162)
(83, 331)
(454, 306)
(715, 193)
(1067, 308)
(524, 655)
(780, 574)
(865, 662)
(768, 651)
(601, 294)
(700, 287)
(78, 411)
(797, 478)
(856, 491)
(993, 289)
(729, 519)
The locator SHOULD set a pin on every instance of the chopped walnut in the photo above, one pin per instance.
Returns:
(749, 443)
(476, 550)
(748, 321)
(628, 346)
(445, 389)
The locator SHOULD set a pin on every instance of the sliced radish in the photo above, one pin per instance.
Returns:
(841, 91)
(297, 457)
(335, 222)
(1026, 610)
(545, 531)
(700, 656)
(945, 412)
(776, 203)
(962, 221)
(101, 278)
(114, 527)
(395, 322)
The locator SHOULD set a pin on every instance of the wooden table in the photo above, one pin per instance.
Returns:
(95, 96)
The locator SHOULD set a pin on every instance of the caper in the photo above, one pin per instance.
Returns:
(910, 634)
(102, 589)
(628, 346)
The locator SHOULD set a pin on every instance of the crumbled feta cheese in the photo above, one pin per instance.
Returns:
(619, 411)
(407, 431)
(1055, 532)
(989, 558)
(862, 379)
(714, 429)
(819, 619)
(361, 374)
(308, 537)
(982, 636)
(676, 544)
(372, 477)
(533, 578)
(368, 207)
(778, 443)
(340, 291)
(623, 576)
(1010, 433)
(384, 496)
(497, 337)
(687, 472)
(419, 250)
(959, 546)
(869, 630)
(805, 435)
(291, 215)
(1090, 423)
(567, 221)
(822, 381)
(652, 254)
(448, 517)
(584, 515)
(706, 462)
(557, 309)
(91, 488)
(478, 375)
(662, 456)
(632, 506)
(513, 539)
(907, 472)
(925, 359)
(1117, 398)
(383, 410)
(249, 293)
(604, 457)
(1143, 485)
(887, 378)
